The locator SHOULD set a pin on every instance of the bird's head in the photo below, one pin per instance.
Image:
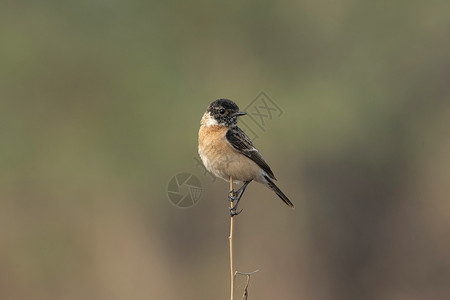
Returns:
(222, 112)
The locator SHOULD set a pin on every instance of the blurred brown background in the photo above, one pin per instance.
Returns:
(100, 104)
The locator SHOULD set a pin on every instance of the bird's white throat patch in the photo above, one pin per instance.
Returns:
(208, 120)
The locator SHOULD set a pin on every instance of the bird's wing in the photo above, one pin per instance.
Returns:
(242, 143)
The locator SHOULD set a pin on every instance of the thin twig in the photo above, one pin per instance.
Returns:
(230, 238)
(246, 274)
(245, 295)
(231, 242)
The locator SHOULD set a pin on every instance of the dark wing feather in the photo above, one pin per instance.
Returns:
(242, 143)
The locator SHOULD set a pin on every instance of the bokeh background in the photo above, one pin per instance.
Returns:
(100, 104)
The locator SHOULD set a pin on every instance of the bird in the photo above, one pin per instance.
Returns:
(227, 152)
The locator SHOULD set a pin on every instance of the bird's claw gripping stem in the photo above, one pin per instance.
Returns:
(233, 211)
(231, 195)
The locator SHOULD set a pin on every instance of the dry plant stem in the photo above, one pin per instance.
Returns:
(245, 295)
(230, 238)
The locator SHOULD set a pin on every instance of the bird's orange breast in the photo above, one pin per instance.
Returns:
(212, 141)
(220, 158)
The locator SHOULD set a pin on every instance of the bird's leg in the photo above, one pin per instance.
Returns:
(233, 195)
(237, 197)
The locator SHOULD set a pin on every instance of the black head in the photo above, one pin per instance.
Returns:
(225, 112)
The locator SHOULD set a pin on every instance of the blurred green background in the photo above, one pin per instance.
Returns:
(100, 104)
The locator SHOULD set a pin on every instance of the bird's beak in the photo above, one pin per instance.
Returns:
(240, 113)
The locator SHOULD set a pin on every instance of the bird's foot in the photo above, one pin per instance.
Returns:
(232, 196)
(233, 211)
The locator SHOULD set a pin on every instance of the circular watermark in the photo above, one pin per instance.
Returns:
(184, 190)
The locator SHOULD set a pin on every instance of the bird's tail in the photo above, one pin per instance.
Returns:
(280, 194)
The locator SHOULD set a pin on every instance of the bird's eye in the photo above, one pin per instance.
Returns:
(222, 111)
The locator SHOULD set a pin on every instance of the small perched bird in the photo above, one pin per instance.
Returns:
(227, 151)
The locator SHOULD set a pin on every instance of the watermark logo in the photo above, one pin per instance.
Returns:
(184, 190)
(259, 112)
